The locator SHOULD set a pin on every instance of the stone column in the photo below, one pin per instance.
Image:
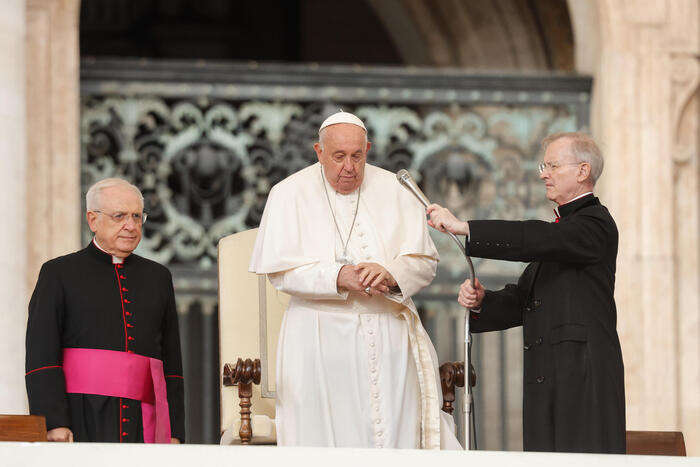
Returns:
(644, 58)
(13, 162)
(53, 138)
(39, 160)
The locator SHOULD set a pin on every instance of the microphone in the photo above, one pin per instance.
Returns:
(404, 178)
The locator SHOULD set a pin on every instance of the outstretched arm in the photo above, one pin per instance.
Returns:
(583, 239)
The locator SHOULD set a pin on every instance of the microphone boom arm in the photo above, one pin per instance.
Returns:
(407, 181)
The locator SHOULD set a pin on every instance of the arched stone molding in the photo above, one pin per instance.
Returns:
(494, 35)
(644, 59)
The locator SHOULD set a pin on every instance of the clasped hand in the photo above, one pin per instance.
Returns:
(356, 278)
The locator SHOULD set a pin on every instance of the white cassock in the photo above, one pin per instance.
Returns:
(352, 370)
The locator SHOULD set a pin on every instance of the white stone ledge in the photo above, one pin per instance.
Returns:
(114, 455)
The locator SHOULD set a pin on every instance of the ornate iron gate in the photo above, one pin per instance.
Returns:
(206, 141)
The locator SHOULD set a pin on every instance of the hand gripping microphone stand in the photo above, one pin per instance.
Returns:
(469, 417)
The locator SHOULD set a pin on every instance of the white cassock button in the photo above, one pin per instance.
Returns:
(379, 433)
(378, 421)
(376, 395)
(370, 332)
(371, 344)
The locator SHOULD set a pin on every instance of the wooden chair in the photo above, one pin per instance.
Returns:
(22, 428)
(250, 317)
(656, 443)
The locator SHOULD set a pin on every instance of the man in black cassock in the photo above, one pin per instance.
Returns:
(573, 396)
(103, 298)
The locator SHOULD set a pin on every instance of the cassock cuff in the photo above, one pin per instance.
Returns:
(334, 286)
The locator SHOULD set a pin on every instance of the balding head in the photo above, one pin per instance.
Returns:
(583, 148)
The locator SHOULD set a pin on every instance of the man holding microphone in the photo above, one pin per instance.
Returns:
(573, 391)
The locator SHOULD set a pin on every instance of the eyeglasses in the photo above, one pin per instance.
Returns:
(551, 167)
(139, 218)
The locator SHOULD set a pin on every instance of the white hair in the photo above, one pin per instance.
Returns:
(93, 196)
(322, 132)
(583, 148)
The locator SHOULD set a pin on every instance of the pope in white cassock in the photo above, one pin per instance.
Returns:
(355, 368)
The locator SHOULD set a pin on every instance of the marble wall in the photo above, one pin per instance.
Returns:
(644, 59)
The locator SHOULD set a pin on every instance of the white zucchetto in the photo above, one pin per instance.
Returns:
(342, 117)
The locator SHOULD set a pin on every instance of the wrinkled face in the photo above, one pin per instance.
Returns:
(564, 177)
(343, 156)
(117, 237)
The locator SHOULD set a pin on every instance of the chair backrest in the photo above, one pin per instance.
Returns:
(22, 428)
(250, 316)
(659, 443)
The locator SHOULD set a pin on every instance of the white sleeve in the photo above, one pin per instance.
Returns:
(412, 273)
(317, 281)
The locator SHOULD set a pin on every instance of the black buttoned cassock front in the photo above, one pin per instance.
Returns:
(573, 395)
(83, 300)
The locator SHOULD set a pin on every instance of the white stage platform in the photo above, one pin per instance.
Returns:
(113, 455)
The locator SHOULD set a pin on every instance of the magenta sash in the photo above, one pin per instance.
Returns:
(122, 374)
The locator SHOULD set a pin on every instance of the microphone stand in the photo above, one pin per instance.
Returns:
(468, 404)
(404, 177)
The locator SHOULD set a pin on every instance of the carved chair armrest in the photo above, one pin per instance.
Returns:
(244, 374)
(452, 376)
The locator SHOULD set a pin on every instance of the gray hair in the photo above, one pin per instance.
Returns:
(584, 149)
(93, 196)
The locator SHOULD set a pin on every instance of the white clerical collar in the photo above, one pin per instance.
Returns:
(556, 209)
(115, 259)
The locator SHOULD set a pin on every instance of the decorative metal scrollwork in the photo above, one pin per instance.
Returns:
(205, 166)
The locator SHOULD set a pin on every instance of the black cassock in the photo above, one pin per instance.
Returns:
(573, 395)
(83, 300)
